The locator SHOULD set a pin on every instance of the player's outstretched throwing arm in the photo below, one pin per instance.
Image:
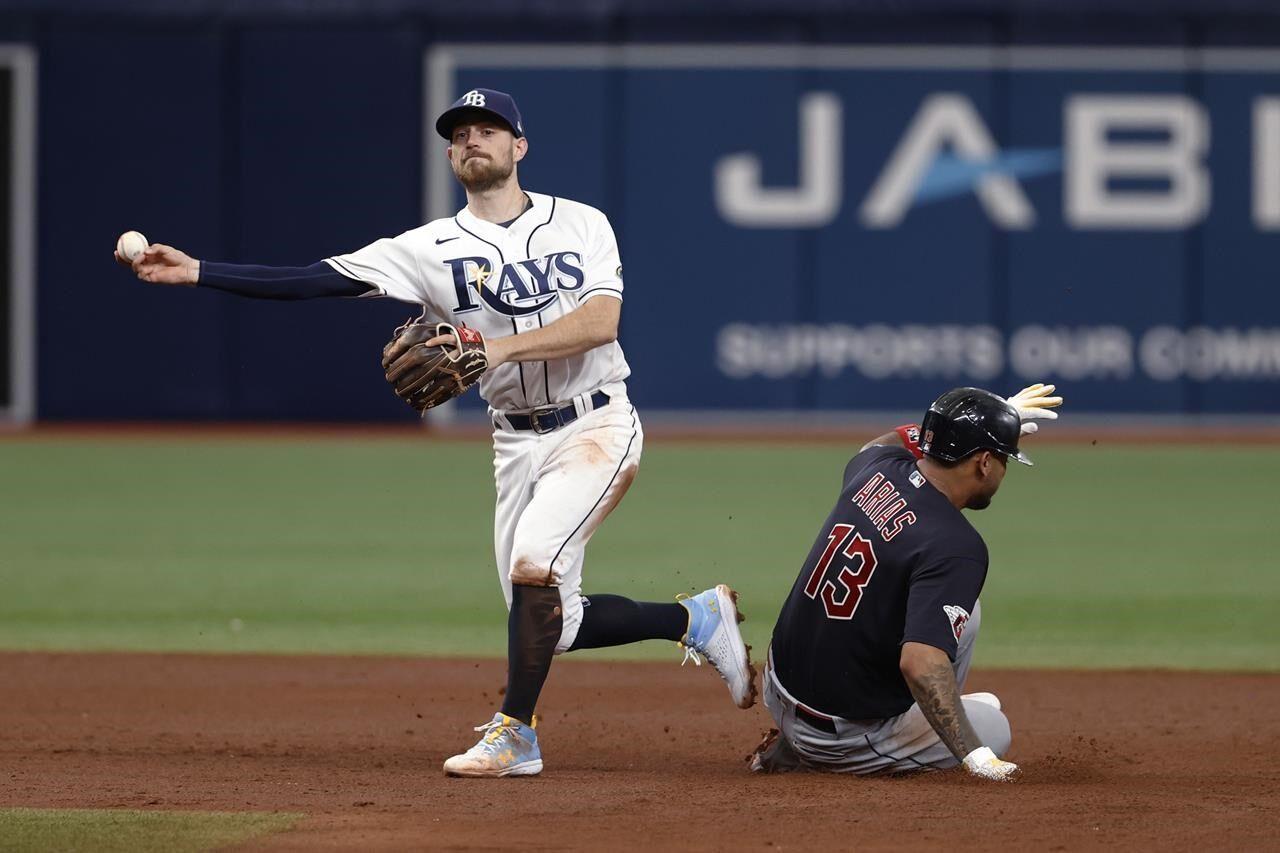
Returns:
(161, 264)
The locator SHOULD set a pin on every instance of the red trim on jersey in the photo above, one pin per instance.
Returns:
(910, 435)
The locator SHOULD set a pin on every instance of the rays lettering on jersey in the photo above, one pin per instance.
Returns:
(518, 289)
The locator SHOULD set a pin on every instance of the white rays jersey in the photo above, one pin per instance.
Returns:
(553, 489)
(507, 281)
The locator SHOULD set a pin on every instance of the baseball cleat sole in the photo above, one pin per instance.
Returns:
(528, 768)
(773, 755)
(729, 597)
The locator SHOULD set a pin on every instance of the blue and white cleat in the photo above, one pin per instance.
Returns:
(508, 748)
(713, 634)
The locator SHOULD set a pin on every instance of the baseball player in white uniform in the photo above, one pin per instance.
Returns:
(540, 278)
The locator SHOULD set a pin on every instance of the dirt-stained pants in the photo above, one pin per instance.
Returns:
(554, 490)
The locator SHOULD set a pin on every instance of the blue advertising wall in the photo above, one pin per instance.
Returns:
(805, 223)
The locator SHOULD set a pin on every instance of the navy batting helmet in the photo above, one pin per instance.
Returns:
(965, 420)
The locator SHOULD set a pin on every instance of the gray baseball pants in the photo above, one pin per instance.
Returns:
(811, 739)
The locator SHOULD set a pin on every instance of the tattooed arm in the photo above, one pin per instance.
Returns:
(928, 673)
(932, 681)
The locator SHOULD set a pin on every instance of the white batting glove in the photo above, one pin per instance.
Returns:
(984, 764)
(1034, 403)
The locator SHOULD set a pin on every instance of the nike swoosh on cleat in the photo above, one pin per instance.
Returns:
(445, 240)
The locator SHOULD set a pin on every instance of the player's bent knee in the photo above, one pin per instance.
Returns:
(991, 726)
(527, 572)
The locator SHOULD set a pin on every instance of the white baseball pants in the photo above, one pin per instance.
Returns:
(554, 490)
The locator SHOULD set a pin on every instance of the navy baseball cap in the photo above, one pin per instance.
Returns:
(499, 105)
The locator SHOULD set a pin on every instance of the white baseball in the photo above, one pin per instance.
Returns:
(131, 244)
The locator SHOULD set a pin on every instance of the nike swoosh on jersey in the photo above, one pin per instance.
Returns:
(445, 240)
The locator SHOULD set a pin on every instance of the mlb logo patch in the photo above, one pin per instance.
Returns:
(958, 617)
(916, 478)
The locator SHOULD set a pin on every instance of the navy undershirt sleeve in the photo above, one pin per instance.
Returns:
(313, 282)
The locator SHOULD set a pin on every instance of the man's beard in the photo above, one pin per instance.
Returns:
(980, 501)
(480, 174)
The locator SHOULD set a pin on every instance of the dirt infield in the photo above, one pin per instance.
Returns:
(638, 756)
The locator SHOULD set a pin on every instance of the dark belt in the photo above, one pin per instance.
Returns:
(550, 418)
(822, 724)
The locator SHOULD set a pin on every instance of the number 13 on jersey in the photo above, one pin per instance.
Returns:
(841, 594)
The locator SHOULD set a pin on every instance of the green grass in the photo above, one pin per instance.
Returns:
(1100, 557)
(107, 831)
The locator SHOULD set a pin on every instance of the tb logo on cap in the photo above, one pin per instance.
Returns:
(473, 99)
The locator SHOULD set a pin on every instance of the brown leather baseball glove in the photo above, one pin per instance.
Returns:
(431, 363)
